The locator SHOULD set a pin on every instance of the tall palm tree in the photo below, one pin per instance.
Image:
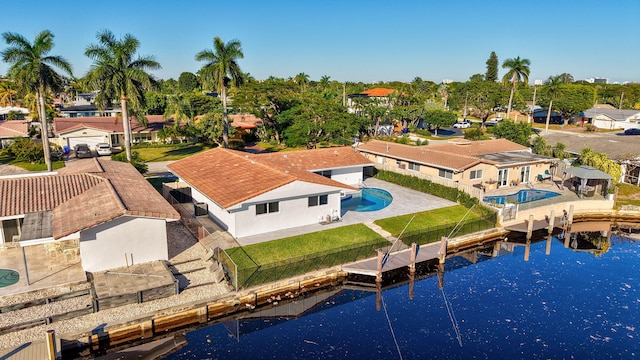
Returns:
(553, 90)
(518, 71)
(301, 79)
(117, 74)
(33, 70)
(220, 70)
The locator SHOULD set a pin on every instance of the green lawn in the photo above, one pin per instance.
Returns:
(426, 219)
(6, 159)
(301, 245)
(168, 152)
(628, 195)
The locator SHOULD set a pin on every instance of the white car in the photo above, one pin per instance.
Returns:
(462, 125)
(103, 149)
(493, 121)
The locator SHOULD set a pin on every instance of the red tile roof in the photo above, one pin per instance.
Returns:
(244, 121)
(378, 92)
(230, 177)
(85, 193)
(459, 155)
(111, 124)
(13, 128)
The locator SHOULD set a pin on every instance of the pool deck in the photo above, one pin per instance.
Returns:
(405, 201)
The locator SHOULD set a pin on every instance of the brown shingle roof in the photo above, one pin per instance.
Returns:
(85, 193)
(23, 195)
(111, 124)
(230, 177)
(13, 128)
(456, 155)
(244, 121)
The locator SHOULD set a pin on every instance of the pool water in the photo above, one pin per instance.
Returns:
(566, 305)
(521, 197)
(370, 199)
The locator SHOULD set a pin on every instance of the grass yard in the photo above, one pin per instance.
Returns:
(167, 152)
(301, 245)
(426, 219)
(628, 195)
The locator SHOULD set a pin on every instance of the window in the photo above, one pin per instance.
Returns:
(414, 166)
(475, 174)
(325, 173)
(318, 200)
(447, 174)
(267, 208)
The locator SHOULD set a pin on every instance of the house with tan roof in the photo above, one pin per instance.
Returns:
(250, 194)
(11, 129)
(113, 213)
(105, 129)
(481, 164)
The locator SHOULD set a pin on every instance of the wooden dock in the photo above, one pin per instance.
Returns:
(394, 261)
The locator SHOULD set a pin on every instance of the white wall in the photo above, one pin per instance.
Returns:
(218, 214)
(350, 176)
(105, 246)
(293, 211)
(84, 132)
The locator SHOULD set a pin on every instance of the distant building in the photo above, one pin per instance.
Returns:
(597, 80)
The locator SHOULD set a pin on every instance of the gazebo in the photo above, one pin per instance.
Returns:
(586, 173)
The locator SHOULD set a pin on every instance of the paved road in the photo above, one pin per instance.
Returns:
(158, 168)
(614, 144)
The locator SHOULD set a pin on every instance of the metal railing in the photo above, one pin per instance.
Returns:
(434, 233)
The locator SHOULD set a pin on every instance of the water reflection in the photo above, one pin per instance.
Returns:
(563, 302)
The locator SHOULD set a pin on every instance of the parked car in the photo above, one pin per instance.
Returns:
(493, 121)
(103, 149)
(463, 124)
(82, 151)
(634, 131)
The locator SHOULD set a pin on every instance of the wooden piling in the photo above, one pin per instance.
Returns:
(379, 266)
(552, 219)
(412, 265)
(443, 249)
(527, 249)
(548, 249)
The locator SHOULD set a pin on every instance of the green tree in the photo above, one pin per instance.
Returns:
(566, 78)
(519, 133)
(220, 70)
(33, 70)
(440, 118)
(541, 147)
(492, 68)
(187, 81)
(601, 162)
(518, 71)
(553, 90)
(8, 92)
(302, 80)
(117, 73)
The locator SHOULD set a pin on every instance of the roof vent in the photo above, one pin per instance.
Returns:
(335, 152)
(285, 156)
(387, 147)
(422, 151)
(253, 162)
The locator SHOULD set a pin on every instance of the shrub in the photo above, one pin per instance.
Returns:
(135, 161)
(27, 150)
(473, 134)
(590, 128)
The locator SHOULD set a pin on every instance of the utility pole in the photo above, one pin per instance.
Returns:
(464, 115)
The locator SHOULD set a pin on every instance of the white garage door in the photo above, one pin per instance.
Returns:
(89, 140)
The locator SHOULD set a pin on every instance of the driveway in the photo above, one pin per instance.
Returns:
(11, 170)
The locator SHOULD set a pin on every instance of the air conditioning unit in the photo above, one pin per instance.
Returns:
(201, 209)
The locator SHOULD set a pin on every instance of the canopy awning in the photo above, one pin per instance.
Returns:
(587, 172)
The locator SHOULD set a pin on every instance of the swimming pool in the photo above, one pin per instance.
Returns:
(521, 197)
(370, 199)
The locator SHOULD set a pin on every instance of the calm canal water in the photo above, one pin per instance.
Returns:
(566, 305)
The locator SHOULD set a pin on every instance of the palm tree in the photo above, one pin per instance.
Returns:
(518, 71)
(553, 89)
(220, 70)
(33, 70)
(8, 92)
(117, 74)
(301, 79)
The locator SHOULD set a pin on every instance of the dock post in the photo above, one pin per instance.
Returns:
(496, 249)
(443, 250)
(412, 264)
(527, 248)
(52, 352)
(570, 219)
(552, 220)
(378, 296)
(379, 267)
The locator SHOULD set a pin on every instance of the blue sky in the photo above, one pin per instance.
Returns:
(364, 41)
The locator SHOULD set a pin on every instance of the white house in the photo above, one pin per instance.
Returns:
(115, 215)
(612, 118)
(250, 194)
